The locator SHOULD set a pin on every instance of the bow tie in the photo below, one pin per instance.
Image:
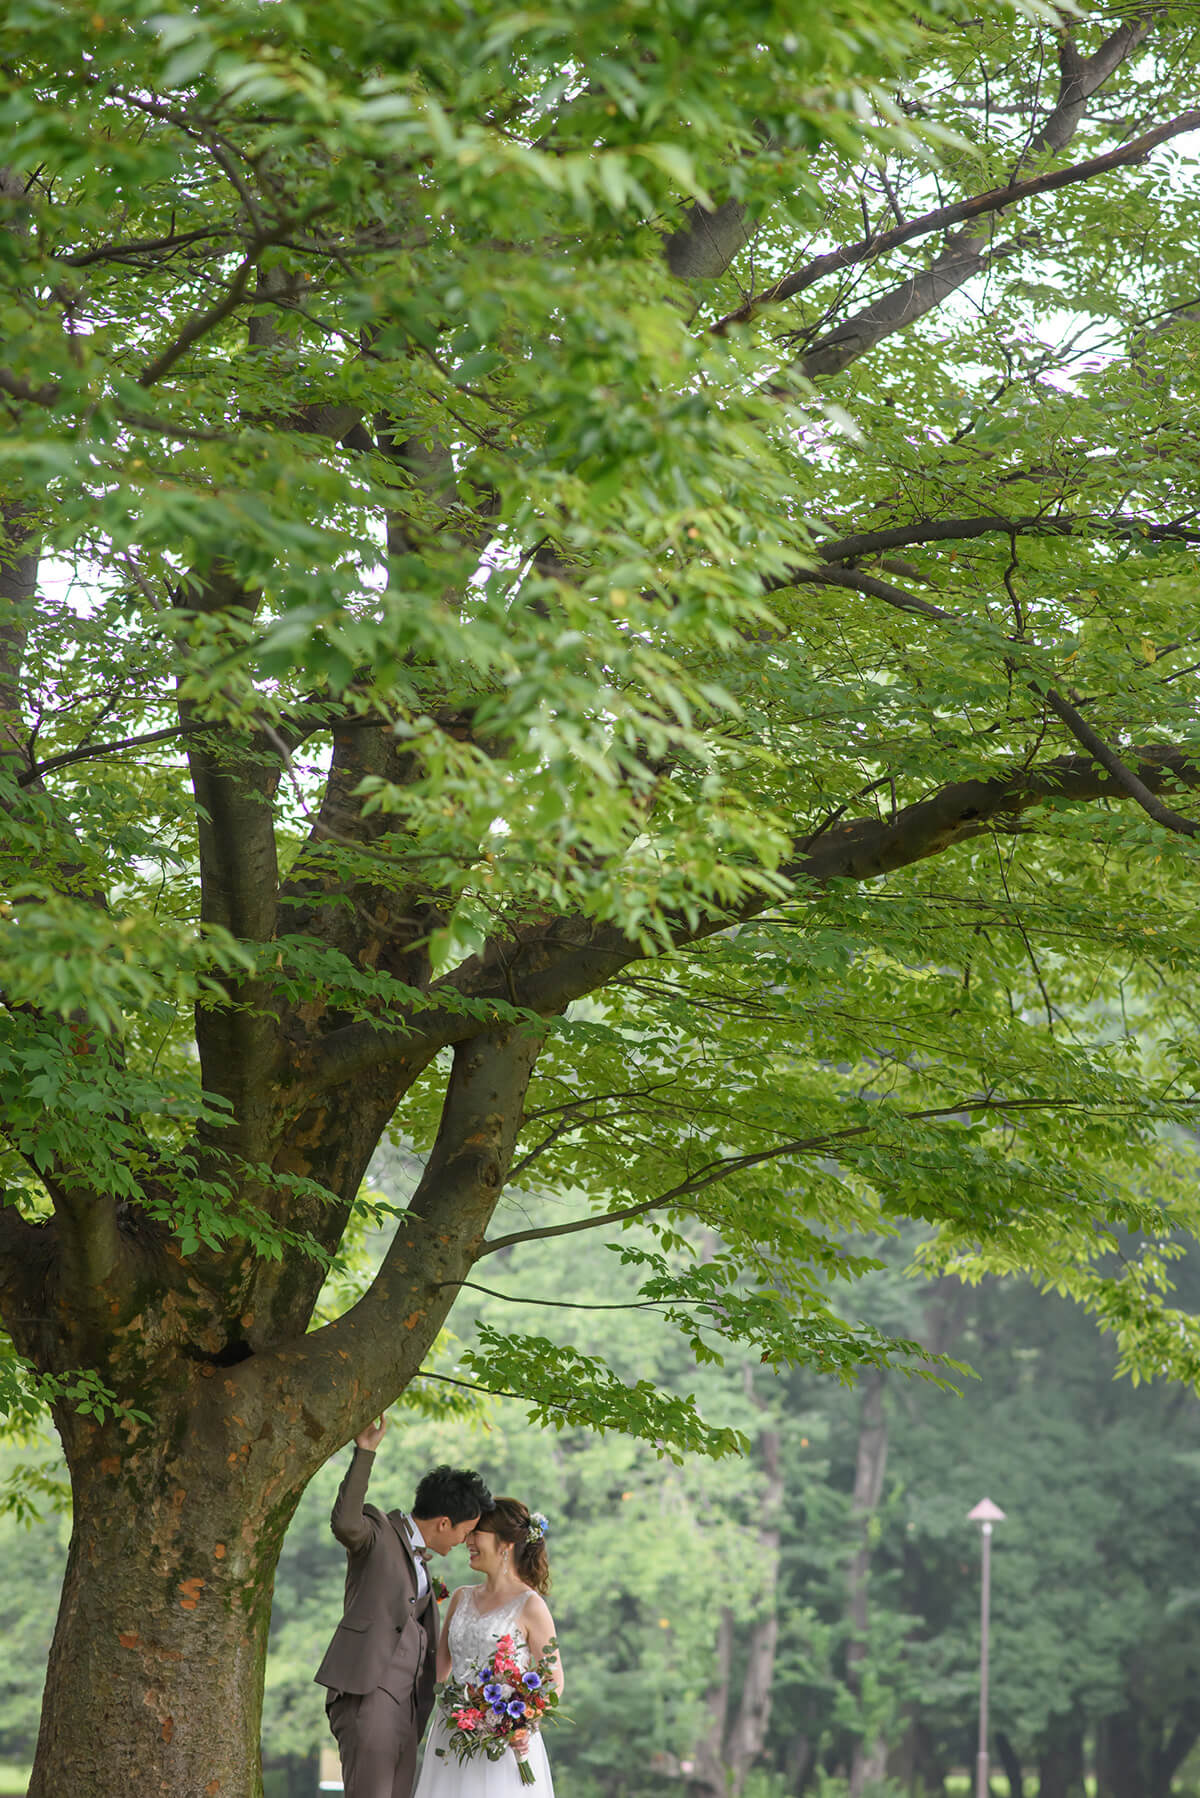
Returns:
(423, 1555)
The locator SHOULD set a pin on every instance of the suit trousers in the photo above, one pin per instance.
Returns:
(377, 1738)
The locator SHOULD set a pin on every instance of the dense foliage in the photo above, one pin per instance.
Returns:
(611, 590)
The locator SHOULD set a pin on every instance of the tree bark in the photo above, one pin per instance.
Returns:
(1010, 1760)
(869, 1759)
(1119, 1772)
(728, 1749)
(707, 1779)
(1060, 1763)
(154, 1679)
(748, 1732)
(1167, 1757)
(799, 1763)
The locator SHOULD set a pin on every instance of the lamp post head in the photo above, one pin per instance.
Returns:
(986, 1513)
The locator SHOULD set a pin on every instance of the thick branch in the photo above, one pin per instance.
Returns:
(92, 752)
(390, 912)
(234, 785)
(970, 252)
(19, 555)
(382, 1340)
(858, 582)
(866, 848)
(90, 1262)
(709, 241)
(1080, 729)
(1054, 135)
(963, 257)
(1124, 776)
(25, 1250)
(547, 967)
(961, 530)
(995, 200)
(236, 829)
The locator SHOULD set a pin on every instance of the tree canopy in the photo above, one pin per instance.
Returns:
(611, 591)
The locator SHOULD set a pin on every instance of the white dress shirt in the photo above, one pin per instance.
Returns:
(415, 1541)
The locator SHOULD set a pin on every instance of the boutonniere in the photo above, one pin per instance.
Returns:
(441, 1590)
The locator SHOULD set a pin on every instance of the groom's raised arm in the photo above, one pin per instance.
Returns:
(354, 1531)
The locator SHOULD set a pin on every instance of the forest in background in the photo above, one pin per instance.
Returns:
(801, 1621)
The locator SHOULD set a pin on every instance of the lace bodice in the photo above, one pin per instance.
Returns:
(475, 1633)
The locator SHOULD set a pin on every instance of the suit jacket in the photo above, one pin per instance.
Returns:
(387, 1636)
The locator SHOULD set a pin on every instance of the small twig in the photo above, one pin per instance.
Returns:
(518, 1298)
(891, 197)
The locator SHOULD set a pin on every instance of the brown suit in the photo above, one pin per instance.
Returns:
(380, 1665)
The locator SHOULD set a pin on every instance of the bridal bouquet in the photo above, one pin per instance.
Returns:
(483, 1713)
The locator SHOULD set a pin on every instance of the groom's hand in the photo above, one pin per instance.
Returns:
(372, 1436)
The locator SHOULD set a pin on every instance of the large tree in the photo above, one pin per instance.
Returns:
(687, 505)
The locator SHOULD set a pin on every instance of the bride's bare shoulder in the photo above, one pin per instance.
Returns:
(535, 1609)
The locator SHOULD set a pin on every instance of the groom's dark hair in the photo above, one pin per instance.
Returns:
(453, 1492)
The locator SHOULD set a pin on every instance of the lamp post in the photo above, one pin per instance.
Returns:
(985, 1515)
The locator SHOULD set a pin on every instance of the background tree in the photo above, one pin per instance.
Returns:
(685, 510)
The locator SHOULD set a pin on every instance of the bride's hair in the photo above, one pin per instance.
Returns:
(512, 1523)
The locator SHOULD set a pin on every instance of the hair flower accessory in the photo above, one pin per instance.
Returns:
(539, 1527)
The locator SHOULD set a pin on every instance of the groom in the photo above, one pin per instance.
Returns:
(380, 1665)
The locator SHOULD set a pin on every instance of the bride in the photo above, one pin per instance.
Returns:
(508, 1546)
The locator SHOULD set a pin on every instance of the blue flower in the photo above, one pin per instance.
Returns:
(532, 1680)
(516, 1707)
(493, 1693)
(483, 1677)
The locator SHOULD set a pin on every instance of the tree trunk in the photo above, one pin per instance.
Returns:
(154, 1680)
(749, 1729)
(799, 1762)
(1060, 1765)
(902, 1757)
(1167, 1758)
(727, 1751)
(707, 1780)
(869, 1759)
(1119, 1771)
(1010, 1760)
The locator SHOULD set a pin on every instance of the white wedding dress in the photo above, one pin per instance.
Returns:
(473, 1638)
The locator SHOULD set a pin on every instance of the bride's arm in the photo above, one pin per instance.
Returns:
(538, 1625)
(441, 1669)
